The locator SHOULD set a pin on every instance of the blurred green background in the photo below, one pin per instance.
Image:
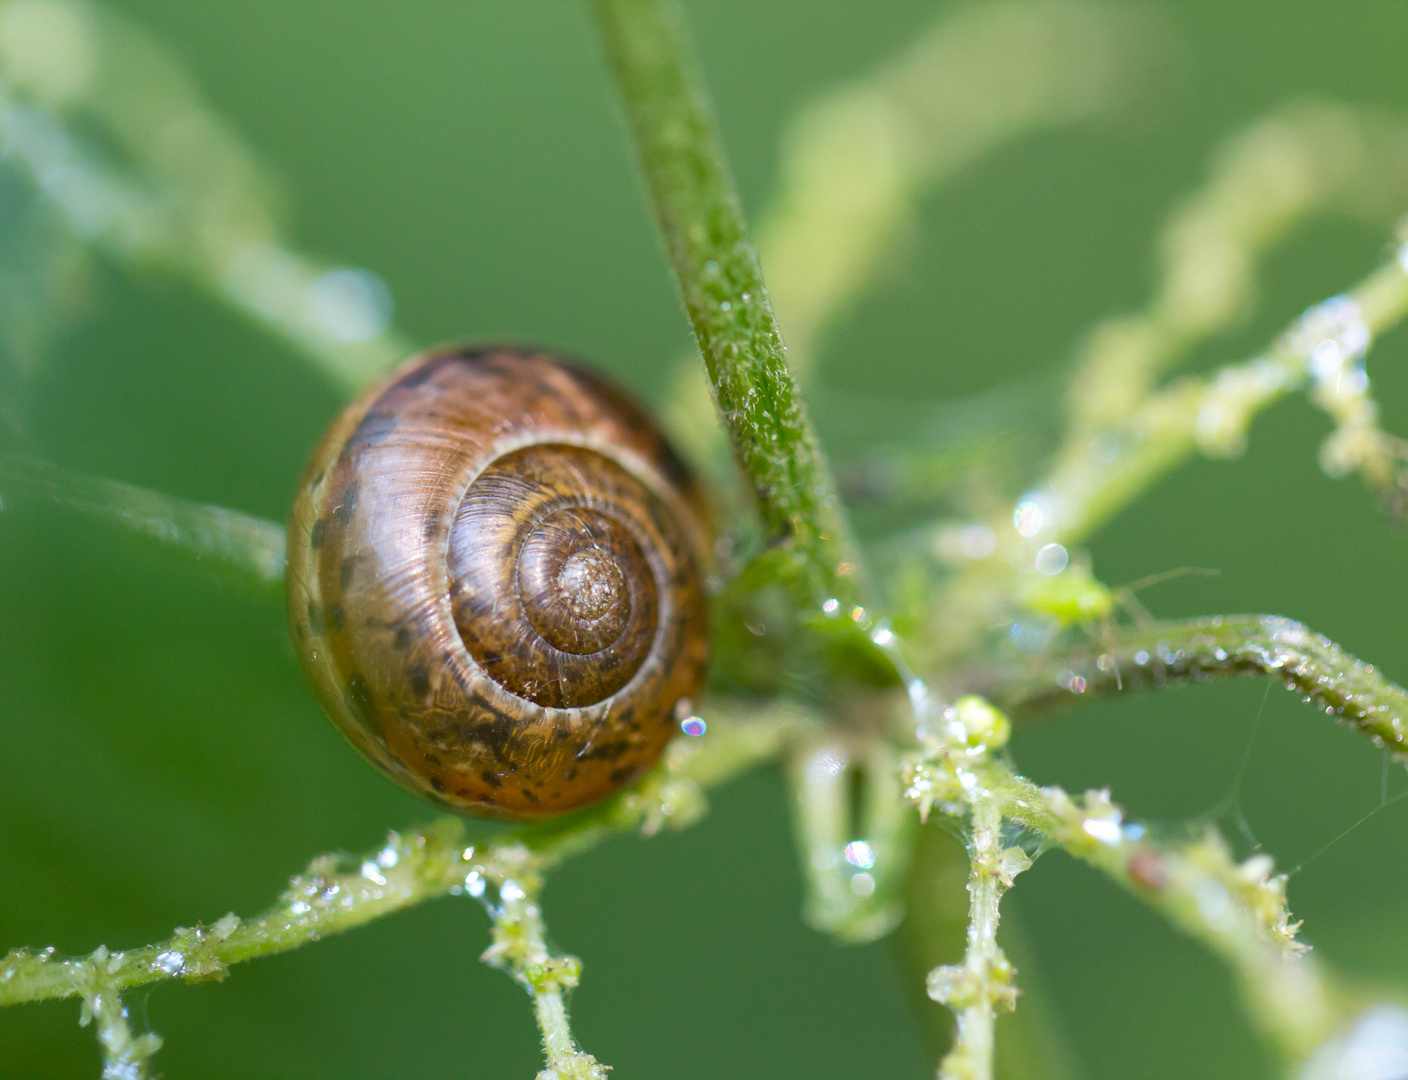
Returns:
(161, 760)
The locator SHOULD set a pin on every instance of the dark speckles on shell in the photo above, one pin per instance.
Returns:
(359, 695)
(347, 504)
(516, 694)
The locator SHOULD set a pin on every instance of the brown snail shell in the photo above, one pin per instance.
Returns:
(494, 582)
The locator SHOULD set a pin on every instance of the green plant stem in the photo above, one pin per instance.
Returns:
(1265, 181)
(239, 547)
(520, 948)
(125, 1055)
(700, 219)
(338, 894)
(1141, 657)
(1210, 415)
(983, 982)
(1237, 910)
(1094, 477)
(1033, 1043)
(159, 211)
(852, 893)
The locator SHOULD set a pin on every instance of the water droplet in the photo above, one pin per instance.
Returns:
(862, 884)
(1028, 518)
(1105, 830)
(371, 872)
(831, 607)
(170, 961)
(693, 725)
(511, 890)
(859, 853)
(1051, 560)
(828, 762)
(1332, 337)
(1030, 637)
(349, 305)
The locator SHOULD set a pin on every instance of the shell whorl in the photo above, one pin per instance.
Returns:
(494, 582)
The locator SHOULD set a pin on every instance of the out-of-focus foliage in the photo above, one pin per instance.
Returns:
(469, 154)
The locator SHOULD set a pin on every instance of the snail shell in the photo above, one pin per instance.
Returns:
(494, 582)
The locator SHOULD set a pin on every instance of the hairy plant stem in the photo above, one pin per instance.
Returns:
(125, 1055)
(1302, 160)
(1034, 1043)
(1237, 910)
(698, 212)
(952, 771)
(984, 981)
(1094, 477)
(1193, 650)
(338, 893)
(520, 948)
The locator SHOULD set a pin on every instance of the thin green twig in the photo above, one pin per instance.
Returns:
(1140, 657)
(520, 947)
(1096, 477)
(126, 1054)
(339, 893)
(1303, 160)
(1237, 910)
(240, 547)
(982, 984)
(698, 212)
(856, 857)
(212, 216)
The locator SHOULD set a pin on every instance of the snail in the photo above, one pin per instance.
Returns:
(494, 582)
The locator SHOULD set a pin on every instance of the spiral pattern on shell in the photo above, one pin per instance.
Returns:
(494, 582)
